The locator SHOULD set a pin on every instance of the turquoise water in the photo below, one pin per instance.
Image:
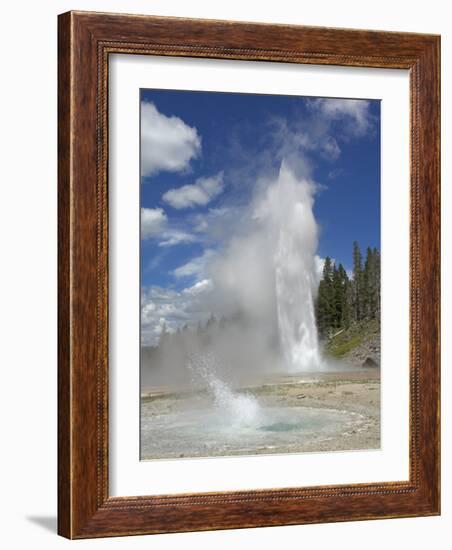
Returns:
(204, 431)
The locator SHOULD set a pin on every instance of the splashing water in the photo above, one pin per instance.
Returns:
(295, 270)
(239, 408)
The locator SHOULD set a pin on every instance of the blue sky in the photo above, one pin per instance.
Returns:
(204, 154)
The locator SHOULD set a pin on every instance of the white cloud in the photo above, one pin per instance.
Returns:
(167, 143)
(356, 110)
(199, 288)
(195, 267)
(199, 193)
(172, 309)
(155, 225)
(330, 149)
(174, 236)
(153, 221)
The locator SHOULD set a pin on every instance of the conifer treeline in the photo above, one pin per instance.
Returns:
(342, 300)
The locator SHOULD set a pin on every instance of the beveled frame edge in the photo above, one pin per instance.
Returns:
(85, 41)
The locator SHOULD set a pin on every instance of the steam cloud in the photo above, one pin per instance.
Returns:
(258, 291)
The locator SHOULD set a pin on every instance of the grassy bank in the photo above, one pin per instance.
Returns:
(360, 340)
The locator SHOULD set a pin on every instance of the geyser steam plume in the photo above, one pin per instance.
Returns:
(263, 283)
(289, 205)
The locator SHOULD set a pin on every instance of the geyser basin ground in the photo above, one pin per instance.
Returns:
(284, 414)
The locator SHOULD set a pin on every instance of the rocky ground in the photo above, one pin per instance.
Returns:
(359, 345)
(356, 391)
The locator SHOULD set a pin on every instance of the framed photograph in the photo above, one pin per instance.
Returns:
(248, 275)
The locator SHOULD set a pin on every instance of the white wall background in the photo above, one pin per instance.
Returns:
(28, 270)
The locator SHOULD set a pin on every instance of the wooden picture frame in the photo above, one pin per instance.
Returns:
(85, 42)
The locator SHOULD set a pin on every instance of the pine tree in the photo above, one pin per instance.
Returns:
(357, 291)
(347, 312)
(325, 299)
(366, 277)
(320, 309)
(373, 282)
(377, 283)
(342, 301)
(337, 299)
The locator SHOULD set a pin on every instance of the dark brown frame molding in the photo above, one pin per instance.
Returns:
(84, 44)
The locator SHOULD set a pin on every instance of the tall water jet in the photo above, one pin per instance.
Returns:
(295, 270)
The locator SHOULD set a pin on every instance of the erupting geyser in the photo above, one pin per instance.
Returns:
(289, 207)
(296, 273)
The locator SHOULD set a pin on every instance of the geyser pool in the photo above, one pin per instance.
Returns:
(200, 430)
(212, 418)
